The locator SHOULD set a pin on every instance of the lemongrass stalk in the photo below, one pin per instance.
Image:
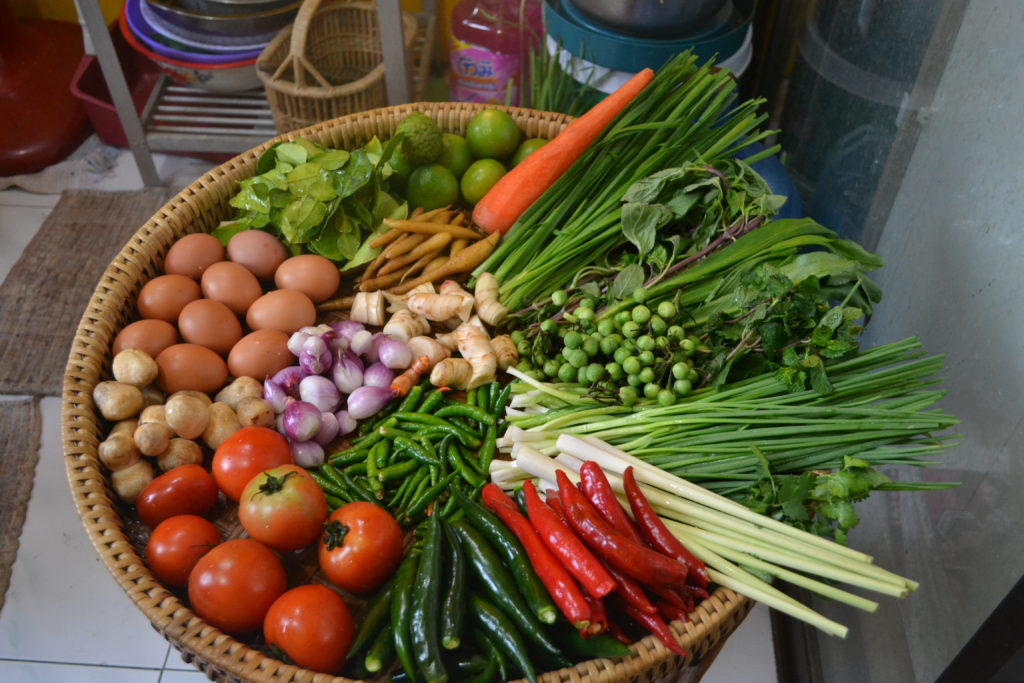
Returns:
(795, 578)
(729, 575)
(544, 386)
(781, 556)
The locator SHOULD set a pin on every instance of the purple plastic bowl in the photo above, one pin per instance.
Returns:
(144, 32)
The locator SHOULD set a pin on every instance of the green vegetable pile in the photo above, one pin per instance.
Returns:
(318, 200)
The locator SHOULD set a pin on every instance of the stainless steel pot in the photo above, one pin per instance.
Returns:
(649, 18)
(232, 7)
(253, 22)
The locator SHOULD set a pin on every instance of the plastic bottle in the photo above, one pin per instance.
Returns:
(490, 47)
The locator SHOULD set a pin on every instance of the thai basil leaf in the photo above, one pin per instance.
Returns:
(640, 224)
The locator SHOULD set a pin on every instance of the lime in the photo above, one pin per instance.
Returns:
(479, 178)
(431, 187)
(455, 154)
(492, 134)
(526, 147)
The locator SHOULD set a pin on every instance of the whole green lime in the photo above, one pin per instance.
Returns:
(479, 178)
(431, 187)
(527, 147)
(455, 154)
(492, 134)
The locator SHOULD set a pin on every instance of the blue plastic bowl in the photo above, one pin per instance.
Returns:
(152, 39)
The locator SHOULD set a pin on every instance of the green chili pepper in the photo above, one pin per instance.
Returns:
(487, 448)
(417, 506)
(431, 402)
(372, 478)
(411, 399)
(398, 470)
(468, 411)
(401, 611)
(424, 636)
(416, 451)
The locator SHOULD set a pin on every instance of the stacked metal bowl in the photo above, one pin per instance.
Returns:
(211, 44)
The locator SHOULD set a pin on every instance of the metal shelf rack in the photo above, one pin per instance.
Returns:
(183, 119)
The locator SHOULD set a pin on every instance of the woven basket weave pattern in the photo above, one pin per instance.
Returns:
(199, 208)
(327, 63)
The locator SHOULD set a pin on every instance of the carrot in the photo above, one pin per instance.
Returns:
(530, 178)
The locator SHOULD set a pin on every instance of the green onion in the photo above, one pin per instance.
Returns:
(688, 112)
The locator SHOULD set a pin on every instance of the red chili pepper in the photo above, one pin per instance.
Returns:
(654, 530)
(566, 546)
(555, 503)
(627, 586)
(631, 590)
(670, 595)
(672, 612)
(598, 618)
(560, 584)
(694, 592)
(654, 624)
(599, 491)
(640, 562)
(617, 633)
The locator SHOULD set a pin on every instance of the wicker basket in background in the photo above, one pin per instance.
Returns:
(329, 62)
(119, 537)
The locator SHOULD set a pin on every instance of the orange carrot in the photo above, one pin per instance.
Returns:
(521, 186)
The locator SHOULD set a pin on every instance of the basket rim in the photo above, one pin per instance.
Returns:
(88, 363)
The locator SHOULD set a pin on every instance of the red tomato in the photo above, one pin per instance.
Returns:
(283, 507)
(313, 626)
(185, 490)
(246, 453)
(361, 547)
(176, 544)
(234, 585)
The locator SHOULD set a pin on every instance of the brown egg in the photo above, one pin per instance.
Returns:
(311, 274)
(151, 336)
(260, 354)
(231, 284)
(190, 366)
(193, 254)
(258, 251)
(282, 309)
(211, 324)
(164, 296)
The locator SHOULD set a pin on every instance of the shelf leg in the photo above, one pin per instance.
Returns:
(92, 18)
(396, 61)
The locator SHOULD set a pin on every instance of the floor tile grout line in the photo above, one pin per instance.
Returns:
(94, 665)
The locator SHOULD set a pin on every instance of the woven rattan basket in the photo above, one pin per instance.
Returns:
(329, 62)
(120, 538)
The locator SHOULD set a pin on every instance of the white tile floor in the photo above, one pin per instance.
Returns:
(66, 620)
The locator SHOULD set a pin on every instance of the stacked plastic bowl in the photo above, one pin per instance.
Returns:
(209, 44)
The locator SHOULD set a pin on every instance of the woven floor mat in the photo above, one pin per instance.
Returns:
(47, 290)
(21, 424)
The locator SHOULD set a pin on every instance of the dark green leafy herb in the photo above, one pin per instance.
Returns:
(318, 200)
